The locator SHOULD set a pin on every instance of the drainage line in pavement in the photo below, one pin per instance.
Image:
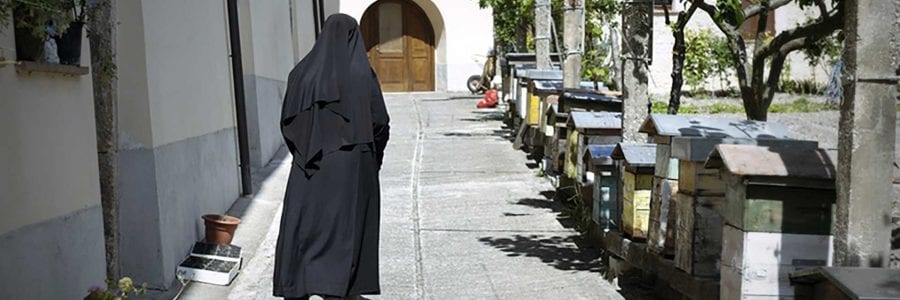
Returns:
(416, 170)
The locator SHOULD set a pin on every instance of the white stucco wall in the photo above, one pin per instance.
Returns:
(462, 31)
(49, 148)
(188, 69)
(270, 38)
(303, 31)
(786, 17)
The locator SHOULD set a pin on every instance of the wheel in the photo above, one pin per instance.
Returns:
(474, 84)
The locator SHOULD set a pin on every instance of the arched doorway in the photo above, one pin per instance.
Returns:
(400, 44)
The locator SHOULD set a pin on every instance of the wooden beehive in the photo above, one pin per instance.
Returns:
(603, 178)
(700, 201)
(589, 128)
(635, 163)
(663, 129)
(845, 283)
(778, 214)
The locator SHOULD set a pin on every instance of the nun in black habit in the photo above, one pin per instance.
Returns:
(335, 124)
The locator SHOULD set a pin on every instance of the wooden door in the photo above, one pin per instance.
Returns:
(400, 44)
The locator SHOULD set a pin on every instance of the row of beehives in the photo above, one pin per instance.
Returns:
(729, 200)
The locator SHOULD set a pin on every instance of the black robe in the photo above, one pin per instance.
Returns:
(335, 124)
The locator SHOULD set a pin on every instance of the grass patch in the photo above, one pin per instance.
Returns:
(801, 105)
(898, 106)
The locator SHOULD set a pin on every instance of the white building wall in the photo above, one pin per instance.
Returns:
(51, 232)
(178, 149)
(660, 71)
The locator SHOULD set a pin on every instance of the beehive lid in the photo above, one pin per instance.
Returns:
(548, 86)
(696, 126)
(522, 70)
(596, 120)
(774, 161)
(635, 154)
(698, 148)
(856, 283)
(544, 74)
(600, 154)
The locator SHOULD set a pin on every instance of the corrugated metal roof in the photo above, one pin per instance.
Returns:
(600, 154)
(696, 126)
(596, 120)
(639, 155)
(774, 161)
(698, 148)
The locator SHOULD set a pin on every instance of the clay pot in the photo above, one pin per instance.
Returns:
(220, 228)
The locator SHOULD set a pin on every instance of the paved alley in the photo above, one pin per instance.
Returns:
(463, 215)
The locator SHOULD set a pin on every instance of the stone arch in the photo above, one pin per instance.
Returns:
(356, 9)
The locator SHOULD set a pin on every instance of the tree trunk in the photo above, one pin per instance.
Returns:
(102, 24)
(678, 54)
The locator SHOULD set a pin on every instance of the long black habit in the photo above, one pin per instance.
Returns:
(335, 124)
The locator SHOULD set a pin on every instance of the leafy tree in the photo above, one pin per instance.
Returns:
(513, 20)
(756, 87)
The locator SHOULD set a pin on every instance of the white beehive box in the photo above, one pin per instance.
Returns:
(756, 265)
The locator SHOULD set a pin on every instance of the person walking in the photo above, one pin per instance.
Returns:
(336, 126)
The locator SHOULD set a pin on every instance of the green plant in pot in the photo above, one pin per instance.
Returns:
(36, 21)
(68, 43)
(33, 22)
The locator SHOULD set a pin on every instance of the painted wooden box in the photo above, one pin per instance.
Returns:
(635, 163)
(665, 130)
(778, 209)
(603, 177)
(757, 265)
(846, 283)
(701, 203)
(589, 128)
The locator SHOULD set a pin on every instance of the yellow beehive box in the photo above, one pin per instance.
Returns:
(635, 162)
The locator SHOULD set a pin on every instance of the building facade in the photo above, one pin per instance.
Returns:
(178, 141)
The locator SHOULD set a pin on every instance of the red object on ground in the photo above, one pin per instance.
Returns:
(489, 101)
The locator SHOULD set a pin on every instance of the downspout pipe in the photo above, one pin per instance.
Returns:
(237, 72)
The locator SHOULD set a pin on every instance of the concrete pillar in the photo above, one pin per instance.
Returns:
(542, 21)
(573, 17)
(636, 27)
(862, 228)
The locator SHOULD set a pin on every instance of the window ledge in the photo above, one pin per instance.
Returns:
(28, 67)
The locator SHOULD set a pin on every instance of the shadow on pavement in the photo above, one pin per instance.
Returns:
(562, 253)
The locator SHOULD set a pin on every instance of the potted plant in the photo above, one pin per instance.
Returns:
(36, 21)
(68, 43)
(220, 228)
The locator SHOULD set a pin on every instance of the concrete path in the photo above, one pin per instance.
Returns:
(463, 216)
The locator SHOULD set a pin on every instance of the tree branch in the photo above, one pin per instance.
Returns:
(813, 32)
(823, 10)
(753, 10)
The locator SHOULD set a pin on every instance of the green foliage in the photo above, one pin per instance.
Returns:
(116, 290)
(510, 16)
(34, 15)
(705, 55)
(730, 11)
(826, 50)
(801, 105)
(804, 86)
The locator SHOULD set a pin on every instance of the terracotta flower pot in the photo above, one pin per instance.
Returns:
(220, 228)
